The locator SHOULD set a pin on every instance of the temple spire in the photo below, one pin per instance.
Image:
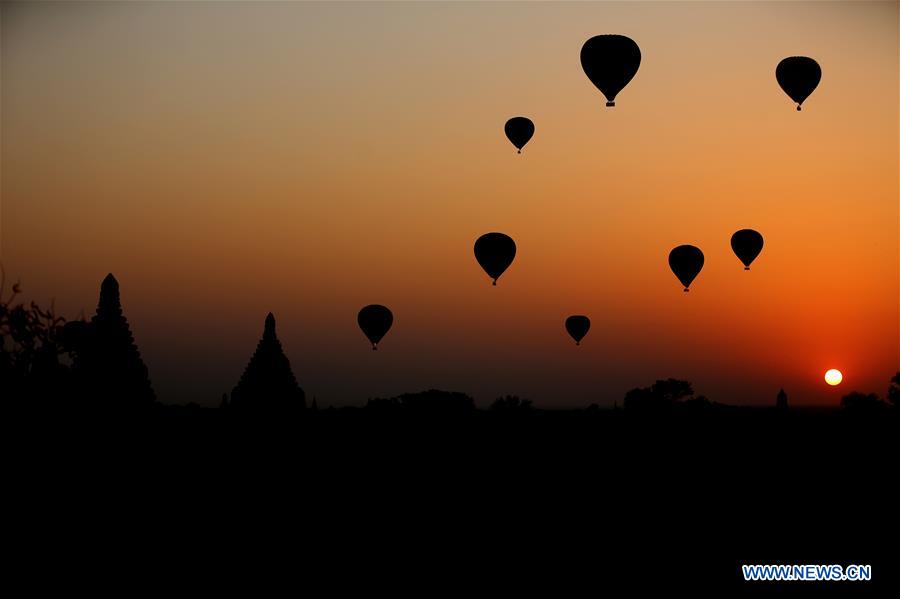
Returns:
(109, 305)
(269, 329)
(781, 401)
(268, 383)
(108, 367)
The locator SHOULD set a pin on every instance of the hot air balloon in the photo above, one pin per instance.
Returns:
(686, 262)
(495, 252)
(747, 244)
(798, 76)
(610, 62)
(519, 130)
(578, 326)
(375, 321)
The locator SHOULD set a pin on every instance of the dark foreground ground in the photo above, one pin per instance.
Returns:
(560, 504)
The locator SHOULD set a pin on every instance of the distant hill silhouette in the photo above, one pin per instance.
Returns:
(268, 383)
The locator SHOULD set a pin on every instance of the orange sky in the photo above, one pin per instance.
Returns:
(227, 159)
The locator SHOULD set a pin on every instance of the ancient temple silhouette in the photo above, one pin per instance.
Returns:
(107, 366)
(268, 382)
(781, 400)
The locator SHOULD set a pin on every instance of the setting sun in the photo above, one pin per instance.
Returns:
(330, 122)
(834, 377)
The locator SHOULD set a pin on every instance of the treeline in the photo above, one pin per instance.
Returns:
(49, 361)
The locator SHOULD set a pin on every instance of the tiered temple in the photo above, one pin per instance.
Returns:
(268, 382)
(108, 367)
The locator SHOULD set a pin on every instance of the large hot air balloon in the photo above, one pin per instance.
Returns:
(495, 252)
(686, 262)
(519, 130)
(798, 76)
(610, 62)
(577, 327)
(747, 244)
(375, 321)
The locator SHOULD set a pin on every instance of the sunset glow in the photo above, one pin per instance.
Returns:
(229, 159)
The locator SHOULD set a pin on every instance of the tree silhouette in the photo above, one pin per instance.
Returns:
(662, 395)
(382, 405)
(641, 398)
(432, 402)
(858, 402)
(511, 403)
(701, 402)
(435, 401)
(31, 343)
(268, 382)
(894, 391)
(108, 368)
(672, 390)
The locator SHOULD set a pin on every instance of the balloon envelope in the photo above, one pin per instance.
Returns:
(686, 262)
(375, 321)
(519, 131)
(747, 244)
(495, 252)
(798, 76)
(577, 327)
(610, 62)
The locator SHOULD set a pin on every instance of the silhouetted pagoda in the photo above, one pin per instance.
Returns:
(108, 368)
(268, 382)
(781, 400)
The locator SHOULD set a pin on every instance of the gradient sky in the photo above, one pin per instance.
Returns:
(228, 159)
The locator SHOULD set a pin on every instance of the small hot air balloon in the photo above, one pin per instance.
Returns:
(375, 321)
(747, 244)
(686, 262)
(610, 62)
(495, 252)
(798, 76)
(577, 327)
(519, 130)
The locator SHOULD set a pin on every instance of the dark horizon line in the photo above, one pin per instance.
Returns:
(617, 406)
